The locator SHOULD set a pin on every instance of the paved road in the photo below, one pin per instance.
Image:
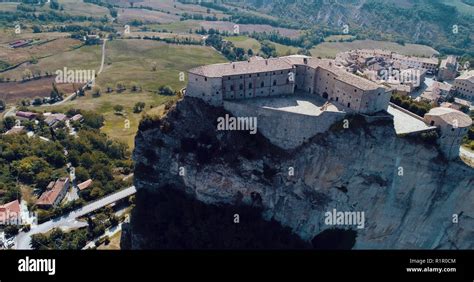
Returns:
(23, 239)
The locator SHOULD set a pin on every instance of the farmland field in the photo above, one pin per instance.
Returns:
(79, 8)
(15, 91)
(245, 42)
(330, 49)
(146, 16)
(84, 58)
(131, 61)
(48, 48)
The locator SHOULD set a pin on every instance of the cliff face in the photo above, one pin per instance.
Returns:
(406, 189)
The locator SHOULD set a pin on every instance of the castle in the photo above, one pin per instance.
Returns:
(297, 97)
(260, 77)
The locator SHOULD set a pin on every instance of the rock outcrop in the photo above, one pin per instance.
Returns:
(410, 194)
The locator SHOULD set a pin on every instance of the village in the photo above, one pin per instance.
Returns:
(70, 191)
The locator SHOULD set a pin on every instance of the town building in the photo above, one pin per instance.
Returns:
(464, 85)
(453, 125)
(17, 129)
(53, 119)
(448, 69)
(273, 77)
(84, 185)
(10, 213)
(54, 194)
(25, 115)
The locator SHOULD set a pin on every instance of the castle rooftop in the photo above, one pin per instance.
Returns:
(451, 116)
(254, 65)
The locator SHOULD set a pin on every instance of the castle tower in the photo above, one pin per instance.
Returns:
(453, 126)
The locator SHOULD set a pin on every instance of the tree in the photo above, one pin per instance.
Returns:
(55, 94)
(138, 108)
(36, 29)
(120, 87)
(166, 90)
(96, 91)
(11, 230)
(26, 74)
(118, 108)
(9, 122)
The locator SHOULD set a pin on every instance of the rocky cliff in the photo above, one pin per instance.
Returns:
(408, 192)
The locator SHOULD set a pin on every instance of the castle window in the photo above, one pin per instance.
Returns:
(262, 84)
(241, 77)
(281, 72)
(228, 78)
(274, 82)
(250, 85)
(241, 87)
(250, 75)
(337, 99)
(196, 79)
(355, 90)
(258, 75)
(232, 88)
(287, 81)
(348, 105)
(274, 73)
(205, 79)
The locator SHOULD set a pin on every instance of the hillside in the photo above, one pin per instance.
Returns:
(416, 21)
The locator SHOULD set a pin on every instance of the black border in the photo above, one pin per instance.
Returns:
(237, 265)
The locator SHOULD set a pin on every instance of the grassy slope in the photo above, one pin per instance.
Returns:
(131, 60)
(330, 49)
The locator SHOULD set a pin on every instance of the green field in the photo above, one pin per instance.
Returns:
(245, 42)
(284, 50)
(131, 61)
(330, 49)
(336, 38)
(84, 58)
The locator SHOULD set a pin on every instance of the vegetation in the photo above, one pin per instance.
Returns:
(34, 162)
(406, 102)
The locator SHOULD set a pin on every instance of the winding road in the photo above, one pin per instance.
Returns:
(23, 239)
(71, 96)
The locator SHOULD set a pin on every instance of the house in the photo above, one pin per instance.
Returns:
(84, 185)
(15, 130)
(53, 119)
(26, 115)
(54, 194)
(448, 69)
(464, 85)
(10, 213)
(78, 118)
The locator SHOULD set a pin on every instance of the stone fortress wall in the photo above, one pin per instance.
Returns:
(285, 129)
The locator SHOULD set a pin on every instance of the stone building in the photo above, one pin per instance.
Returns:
(448, 69)
(260, 77)
(453, 126)
(464, 85)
